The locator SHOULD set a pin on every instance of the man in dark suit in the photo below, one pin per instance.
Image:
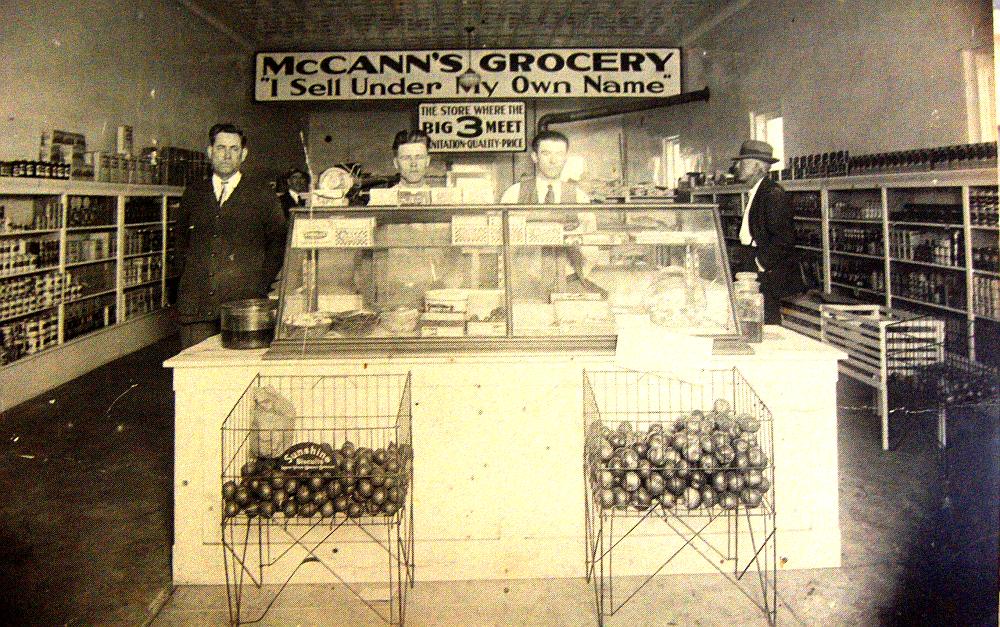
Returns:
(230, 238)
(296, 187)
(767, 231)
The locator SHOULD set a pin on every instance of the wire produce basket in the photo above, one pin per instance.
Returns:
(925, 378)
(696, 455)
(305, 458)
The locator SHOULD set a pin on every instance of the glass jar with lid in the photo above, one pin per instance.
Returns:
(749, 304)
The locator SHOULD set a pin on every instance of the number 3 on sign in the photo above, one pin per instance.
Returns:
(470, 126)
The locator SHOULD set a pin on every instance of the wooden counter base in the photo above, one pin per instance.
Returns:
(498, 479)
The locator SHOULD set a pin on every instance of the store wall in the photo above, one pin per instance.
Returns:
(91, 66)
(864, 76)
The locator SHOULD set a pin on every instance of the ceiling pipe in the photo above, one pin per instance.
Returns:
(562, 117)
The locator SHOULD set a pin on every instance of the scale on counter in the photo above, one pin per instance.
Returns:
(331, 188)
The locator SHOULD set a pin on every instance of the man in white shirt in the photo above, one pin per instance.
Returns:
(541, 270)
(767, 233)
(549, 151)
(230, 237)
(411, 157)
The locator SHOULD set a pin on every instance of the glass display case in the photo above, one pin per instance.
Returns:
(519, 277)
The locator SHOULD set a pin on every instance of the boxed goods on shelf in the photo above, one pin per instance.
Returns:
(28, 336)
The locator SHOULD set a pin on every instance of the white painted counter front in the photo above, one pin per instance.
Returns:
(498, 442)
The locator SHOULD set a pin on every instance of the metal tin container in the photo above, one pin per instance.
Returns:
(248, 323)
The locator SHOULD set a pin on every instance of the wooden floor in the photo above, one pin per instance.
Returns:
(87, 477)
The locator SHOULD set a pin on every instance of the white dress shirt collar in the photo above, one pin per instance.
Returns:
(231, 184)
(542, 187)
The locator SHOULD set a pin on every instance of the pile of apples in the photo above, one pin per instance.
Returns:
(360, 482)
(697, 461)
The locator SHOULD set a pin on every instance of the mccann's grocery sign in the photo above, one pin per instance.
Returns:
(435, 74)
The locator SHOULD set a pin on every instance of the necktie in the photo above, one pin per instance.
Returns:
(222, 192)
(550, 196)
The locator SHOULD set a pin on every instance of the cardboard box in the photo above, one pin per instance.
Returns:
(476, 230)
(442, 331)
(543, 234)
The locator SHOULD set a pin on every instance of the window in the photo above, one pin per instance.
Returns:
(771, 129)
(980, 95)
(673, 165)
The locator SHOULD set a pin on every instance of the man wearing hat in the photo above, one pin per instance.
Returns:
(767, 233)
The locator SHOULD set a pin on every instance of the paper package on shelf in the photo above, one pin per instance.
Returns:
(446, 196)
(336, 303)
(543, 234)
(333, 233)
(482, 303)
(477, 230)
(534, 318)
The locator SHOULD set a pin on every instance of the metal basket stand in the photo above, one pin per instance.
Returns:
(630, 482)
(349, 455)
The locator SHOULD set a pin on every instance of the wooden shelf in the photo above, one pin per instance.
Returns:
(24, 273)
(89, 296)
(915, 301)
(56, 187)
(30, 233)
(143, 283)
(937, 225)
(861, 255)
(27, 313)
(860, 289)
(930, 264)
(856, 221)
(89, 262)
(36, 373)
(95, 227)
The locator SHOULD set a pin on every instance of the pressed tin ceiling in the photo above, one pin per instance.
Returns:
(407, 24)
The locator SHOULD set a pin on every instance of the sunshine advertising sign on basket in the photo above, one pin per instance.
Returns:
(436, 74)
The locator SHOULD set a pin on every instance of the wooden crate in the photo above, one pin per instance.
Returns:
(879, 341)
(802, 315)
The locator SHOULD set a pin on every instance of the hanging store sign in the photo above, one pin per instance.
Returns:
(509, 73)
(473, 126)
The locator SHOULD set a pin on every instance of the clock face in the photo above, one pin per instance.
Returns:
(335, 178)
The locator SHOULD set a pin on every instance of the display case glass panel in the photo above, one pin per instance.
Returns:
(575, 272)
(391, 273)
(403, 278)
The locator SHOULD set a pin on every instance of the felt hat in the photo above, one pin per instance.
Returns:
(755, 149)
